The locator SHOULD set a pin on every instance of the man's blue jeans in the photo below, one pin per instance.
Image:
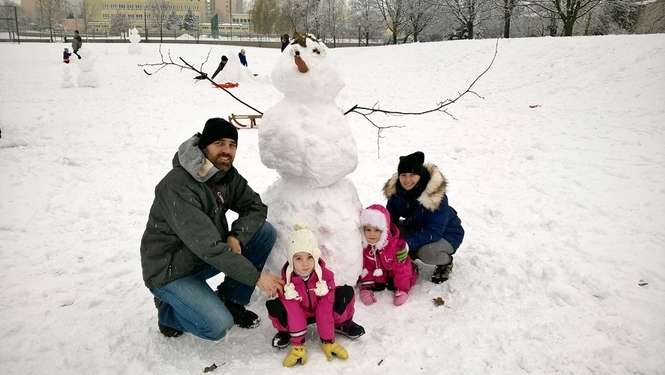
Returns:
(190, 305)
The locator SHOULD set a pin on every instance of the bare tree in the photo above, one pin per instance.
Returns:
(469, 14)
(652, 18)
(88, 10)
(366, 18)
(50, 11)
(419, 15)
(293, 15)
(119, 24)
(331, 11)
(507, 7)
(264, 15)
(569, 11)
(159, 12)
(393, 14)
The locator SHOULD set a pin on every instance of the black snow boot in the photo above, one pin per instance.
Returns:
(241, 316)
(168, 331)
(350, 329)
(281, 340)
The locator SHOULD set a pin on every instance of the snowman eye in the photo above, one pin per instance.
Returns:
(316, 50)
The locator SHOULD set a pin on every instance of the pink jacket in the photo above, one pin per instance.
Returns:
(380, 260)
(310, 306)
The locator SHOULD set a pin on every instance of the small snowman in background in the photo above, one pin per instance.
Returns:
(67, 81)
(87, 75)
(305, 137)
(134, 40)
(234, 71)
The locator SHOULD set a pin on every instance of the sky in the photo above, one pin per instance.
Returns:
(554, 163)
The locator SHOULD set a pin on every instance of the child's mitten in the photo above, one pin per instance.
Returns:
(297, 353)
(334, 349)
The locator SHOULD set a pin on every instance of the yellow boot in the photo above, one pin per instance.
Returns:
(297, 353)
(334, 349)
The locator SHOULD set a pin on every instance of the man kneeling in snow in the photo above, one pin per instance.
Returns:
(187, 239)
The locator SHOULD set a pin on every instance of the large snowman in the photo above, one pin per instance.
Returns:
(307, 140)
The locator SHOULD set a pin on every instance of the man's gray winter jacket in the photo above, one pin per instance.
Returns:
(187, 225)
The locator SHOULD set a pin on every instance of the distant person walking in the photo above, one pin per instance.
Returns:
(242, 57)
(77, 43)
(285, 41)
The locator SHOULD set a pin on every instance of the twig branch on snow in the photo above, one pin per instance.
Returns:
(170, 62)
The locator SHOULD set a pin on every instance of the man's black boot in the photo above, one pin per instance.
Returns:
(241, 316)
(168, 331)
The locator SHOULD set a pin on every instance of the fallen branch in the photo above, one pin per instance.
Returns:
(170, 62)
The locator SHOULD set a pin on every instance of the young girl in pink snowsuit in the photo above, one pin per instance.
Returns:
(385, 257)
(310, 296)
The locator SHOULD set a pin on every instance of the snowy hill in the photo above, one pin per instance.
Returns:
(556, 172)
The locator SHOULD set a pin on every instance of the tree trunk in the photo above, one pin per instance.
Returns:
(507, 13)
(469, 27)
(568, 25)
(553, 27)
(588, 24)
(394, 38)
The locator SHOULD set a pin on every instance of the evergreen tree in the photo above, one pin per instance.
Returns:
(174, 23)
(189, 21)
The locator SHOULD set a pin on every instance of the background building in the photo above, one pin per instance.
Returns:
(103, 14)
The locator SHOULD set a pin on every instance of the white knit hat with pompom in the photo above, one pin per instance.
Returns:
(303, 241)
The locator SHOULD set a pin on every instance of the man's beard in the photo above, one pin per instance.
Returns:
(222, 165)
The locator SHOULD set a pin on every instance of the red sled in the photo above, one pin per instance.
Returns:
(226, 85)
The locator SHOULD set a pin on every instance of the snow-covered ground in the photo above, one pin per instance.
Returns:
(563, 205)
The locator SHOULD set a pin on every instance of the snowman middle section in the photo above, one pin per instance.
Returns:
(309, 140)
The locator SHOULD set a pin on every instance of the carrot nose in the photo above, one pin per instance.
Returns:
(300, 63)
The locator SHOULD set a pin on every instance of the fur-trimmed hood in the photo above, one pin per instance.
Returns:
(434, 192)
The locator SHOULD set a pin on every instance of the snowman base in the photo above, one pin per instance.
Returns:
(331, 212)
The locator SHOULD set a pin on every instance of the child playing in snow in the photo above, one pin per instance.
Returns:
(65, 56)
(243, 57)
(385, 257)
(310, 296)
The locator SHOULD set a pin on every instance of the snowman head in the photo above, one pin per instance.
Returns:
(304, 71)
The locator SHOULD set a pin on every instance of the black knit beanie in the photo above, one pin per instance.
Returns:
(215, 129)
(412, 163)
